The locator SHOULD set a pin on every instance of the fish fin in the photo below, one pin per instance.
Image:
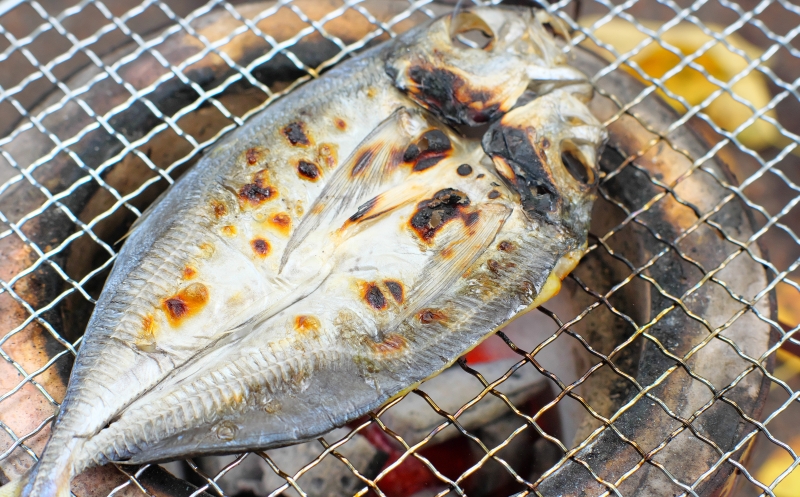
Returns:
(457, 250)
(363, 174)
(383, 204)
(13, 488)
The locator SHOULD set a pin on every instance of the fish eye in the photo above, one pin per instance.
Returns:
(470, 31)
(575, 164)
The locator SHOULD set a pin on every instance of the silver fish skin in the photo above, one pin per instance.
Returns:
(341, 247)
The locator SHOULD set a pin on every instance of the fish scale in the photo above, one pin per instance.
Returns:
(263, 274)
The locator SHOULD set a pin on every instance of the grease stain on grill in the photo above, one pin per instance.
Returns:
(260, 247)
(296, 134)
(308, 170)
(396, 289)
(432, 214)
(374, 297)
(187, 302)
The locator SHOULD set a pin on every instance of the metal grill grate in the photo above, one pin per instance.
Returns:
(104, 103)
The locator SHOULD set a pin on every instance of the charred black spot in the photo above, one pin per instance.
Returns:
(464, 170)
(396, 289)
(362, 162)
(256, 193)
(308, 170)
(531, 180)
(375, 297)
(494, 194)
(471, 218)
(426, 162)
(411, 153)
(296, 134)
(436, 141)
(432, 147)
(434, 213)
(545, 143)
(493, 266)
(481, 175)
(364, 209)
(448, 95)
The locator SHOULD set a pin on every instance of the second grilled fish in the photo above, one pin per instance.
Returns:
(343, 246)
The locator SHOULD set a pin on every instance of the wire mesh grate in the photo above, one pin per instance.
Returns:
(105, 103)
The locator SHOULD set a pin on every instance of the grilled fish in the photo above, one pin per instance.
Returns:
(343, 246)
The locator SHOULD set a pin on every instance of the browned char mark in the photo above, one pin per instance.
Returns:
(260, 247)
(396, 289)
(432, 214)
(429, 150)
(296, 134)
(391, 344)
(308, 170)
(257, 192)
(374, 297)
(450, 96)
(187, 302)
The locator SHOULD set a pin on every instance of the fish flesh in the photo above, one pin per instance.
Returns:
(347, 243)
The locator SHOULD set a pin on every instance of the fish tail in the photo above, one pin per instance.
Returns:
(52, 474)
(14, 488)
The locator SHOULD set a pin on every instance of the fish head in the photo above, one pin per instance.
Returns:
(547, 152)
(471, 82)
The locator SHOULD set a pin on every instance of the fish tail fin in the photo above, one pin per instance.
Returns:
(52, 474)
(14, 488)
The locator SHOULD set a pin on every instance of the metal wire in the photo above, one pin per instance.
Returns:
(175, 19)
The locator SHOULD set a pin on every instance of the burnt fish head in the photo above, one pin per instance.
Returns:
(547, 152)
(472, 66)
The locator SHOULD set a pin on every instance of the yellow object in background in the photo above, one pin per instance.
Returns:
(779, 461)
(691, 84)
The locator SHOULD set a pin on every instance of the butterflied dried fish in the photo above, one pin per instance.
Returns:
(340, 248)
